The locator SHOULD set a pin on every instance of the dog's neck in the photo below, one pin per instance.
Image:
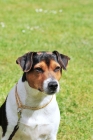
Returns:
(32, 97)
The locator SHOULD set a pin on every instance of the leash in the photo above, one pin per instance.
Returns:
(21, 106)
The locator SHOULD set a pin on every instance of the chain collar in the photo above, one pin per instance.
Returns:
(21, 106)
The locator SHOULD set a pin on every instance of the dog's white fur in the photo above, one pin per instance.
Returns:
(41, 124)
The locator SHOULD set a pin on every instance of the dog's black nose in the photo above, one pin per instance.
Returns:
(53, 85)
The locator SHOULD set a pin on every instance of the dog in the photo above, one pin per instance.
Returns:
(30, 111)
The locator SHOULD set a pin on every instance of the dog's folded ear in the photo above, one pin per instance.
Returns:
(62, 59)
(25, 61)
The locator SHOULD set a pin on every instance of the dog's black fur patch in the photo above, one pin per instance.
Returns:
(3, 118)
(24, 77)
(4, 122)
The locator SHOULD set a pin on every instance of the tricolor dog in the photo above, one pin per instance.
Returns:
(30, 111)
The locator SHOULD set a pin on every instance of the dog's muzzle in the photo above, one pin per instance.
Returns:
(51, 86)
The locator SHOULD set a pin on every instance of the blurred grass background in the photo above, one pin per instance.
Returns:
(62, 25)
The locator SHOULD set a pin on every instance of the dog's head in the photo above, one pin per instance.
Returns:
(43, 70)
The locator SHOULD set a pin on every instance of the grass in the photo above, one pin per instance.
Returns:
(63, 25)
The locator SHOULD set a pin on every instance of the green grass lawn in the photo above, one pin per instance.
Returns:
(62, 25)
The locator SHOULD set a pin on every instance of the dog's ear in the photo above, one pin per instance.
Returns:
(26, 61)
(62, 59)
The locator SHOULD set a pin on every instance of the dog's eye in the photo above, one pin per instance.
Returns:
(57, 69)
(39, 70)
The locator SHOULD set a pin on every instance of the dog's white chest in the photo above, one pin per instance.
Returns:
(36, 127)
(33, 132)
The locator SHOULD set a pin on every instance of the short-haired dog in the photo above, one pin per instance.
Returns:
(30, 111)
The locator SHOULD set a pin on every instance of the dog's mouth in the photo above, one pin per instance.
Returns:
(40, 90)
(49, 92)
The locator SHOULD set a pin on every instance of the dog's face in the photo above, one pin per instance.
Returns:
(43, 70)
